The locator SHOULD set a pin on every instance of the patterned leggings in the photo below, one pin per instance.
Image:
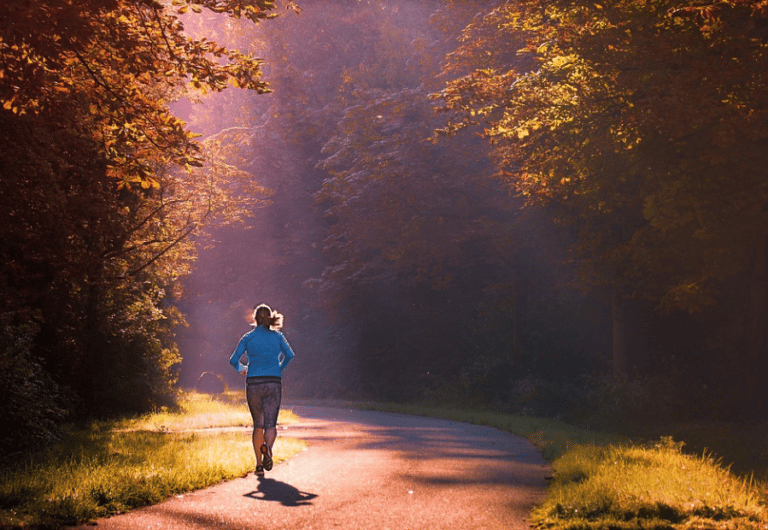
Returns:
(264, 401)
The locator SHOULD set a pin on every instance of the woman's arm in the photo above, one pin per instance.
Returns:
(288, 354)
(234, 360)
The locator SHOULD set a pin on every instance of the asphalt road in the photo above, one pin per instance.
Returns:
(369, 470)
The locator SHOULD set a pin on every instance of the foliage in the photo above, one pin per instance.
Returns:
(121, 61)
(102, 189)
(33, 405)
(621, 120)
(621, 115)
(410, 195)
(414, 230)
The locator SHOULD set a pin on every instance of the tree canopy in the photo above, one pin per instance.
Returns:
(122, 62)
(643, 124)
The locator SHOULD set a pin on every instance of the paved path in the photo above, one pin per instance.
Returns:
(369, 470)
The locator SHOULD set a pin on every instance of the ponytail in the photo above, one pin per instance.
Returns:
(263, 315)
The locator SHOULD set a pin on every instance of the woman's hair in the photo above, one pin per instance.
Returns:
(263, 315)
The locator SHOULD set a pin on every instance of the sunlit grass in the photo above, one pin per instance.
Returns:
(633, 487)
(201, 411)
(607, 482)
(112, 467)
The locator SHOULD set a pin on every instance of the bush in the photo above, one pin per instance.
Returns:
(594, 401)
(33, 404)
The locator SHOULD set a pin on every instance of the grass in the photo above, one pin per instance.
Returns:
(645, 487)
(609, 482)
(199, 411)
(109, 468)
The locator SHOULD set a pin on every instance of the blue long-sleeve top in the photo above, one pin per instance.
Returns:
(268, 353)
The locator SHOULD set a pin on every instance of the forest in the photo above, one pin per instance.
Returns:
(554, 208)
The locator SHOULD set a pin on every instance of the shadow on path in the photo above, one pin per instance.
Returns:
(273, 490)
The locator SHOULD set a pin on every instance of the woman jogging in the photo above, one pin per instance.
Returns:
(268, 354)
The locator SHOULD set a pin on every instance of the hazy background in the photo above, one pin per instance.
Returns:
(404, 269)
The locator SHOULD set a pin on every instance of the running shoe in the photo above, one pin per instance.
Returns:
(259, 471)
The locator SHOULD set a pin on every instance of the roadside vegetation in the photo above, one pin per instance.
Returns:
(623, 482)
(107, 468)
(629, 486)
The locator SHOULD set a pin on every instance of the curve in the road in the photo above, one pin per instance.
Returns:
(370, 470)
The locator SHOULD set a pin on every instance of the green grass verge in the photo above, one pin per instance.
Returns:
(608, 482)
(109, 468)
(646, 487)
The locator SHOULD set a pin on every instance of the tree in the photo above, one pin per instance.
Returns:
(625, 116)
(121, 61)
(102, 189)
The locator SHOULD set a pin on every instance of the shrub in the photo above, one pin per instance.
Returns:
(33, 404)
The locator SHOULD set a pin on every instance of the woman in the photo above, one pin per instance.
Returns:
(268, 354)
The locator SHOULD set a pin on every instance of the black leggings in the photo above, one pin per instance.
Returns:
(264, 401)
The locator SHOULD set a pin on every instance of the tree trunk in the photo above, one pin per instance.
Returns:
(519, 310)
(92, 377)
(619, 360)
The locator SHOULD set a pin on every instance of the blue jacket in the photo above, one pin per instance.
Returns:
(268, 353)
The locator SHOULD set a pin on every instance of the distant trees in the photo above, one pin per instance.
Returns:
(431, 279)
(611, 225)
(416, 235)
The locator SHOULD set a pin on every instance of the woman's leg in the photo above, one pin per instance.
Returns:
(254, 394)
(258, 440)
(264, 403)
(269, 437)
(271, 406)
